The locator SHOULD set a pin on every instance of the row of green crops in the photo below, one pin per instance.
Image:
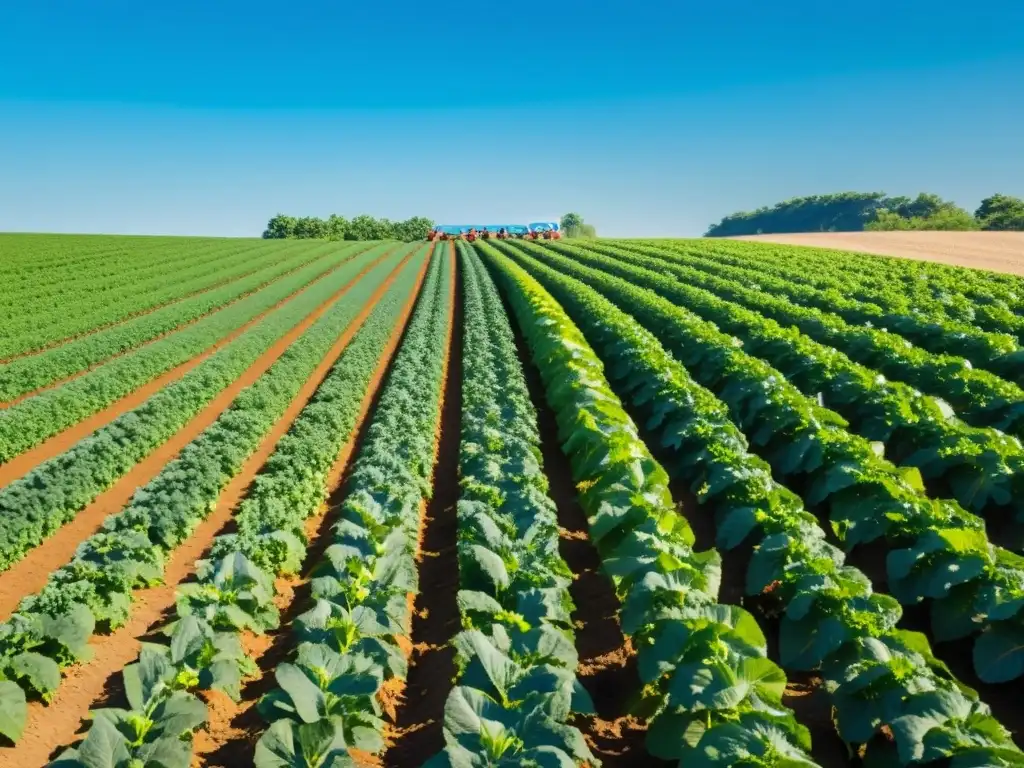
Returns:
(979, 397)
(73, 270)
(515, 686)
(38, 504)
(951, 291)
(982, 468)
(937, 552)
(349, 643)
(711, 694)
(940, 304)
(889, 302)
(234, 589)
(95, 589)
(198, 272)
(30, 422)
(54, 318)
(30, 260)
(876, 675)
(27, 374)
(36, 266)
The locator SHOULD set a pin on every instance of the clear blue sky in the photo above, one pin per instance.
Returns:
(192, 117)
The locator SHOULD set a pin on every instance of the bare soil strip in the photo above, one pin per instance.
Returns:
(150, 310)
(607, 660)
(233, 728)
(995, 251)
(30, 574)
(419, 716)
(50, 728)
(56, 445)
(148, 342)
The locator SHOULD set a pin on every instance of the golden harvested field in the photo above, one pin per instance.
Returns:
(997, 251)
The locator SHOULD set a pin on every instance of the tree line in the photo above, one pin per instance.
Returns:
(365, 227)
(872, 211)
(336, 227)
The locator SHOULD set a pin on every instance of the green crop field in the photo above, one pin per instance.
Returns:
(507, 503)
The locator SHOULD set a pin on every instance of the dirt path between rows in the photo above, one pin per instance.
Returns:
(141, 313)
(233, 728)
(25, 462)
(30, 573)
(417, 730)
(607, 659)
(153, 340)
(53, 727)
(994, 251)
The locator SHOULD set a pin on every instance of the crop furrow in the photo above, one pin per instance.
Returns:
(956, 289)
(710, 691)
(982, 468)
(877, 675)
(127, 381)
(38, 505)
(415, 727)
(353, 643)
(938, 553)
(28, 375)
(215, 648)
(51, 629)
(979, 397)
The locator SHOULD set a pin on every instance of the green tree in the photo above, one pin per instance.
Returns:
(845, 212)
(337, 226)
(364, 227)
(572, 225)
(280, 227)
(311, 228)
(571, 222)
(944, 218)
(839, 212)
(924, 206)
(1001, 212)
(413, 229)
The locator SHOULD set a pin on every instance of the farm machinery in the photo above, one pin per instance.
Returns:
(445, 232)
(543, 230)
(535, 231)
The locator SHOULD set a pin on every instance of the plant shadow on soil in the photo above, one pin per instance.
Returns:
(805, 694)
(418, 729)
(607, 662)
(280, 642)
(1002, 698)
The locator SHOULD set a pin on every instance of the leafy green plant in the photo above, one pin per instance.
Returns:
(829, 618)
(155, 730)
(326, 701)
(668, 590)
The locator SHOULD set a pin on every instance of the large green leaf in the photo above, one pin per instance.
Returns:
(286, 744)
(13, 710)
(999, 653)
(306, 697)
(40, 672)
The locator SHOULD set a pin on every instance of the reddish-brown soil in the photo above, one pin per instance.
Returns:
(182, 326)
(52, 727)
(25, 462)
(607, 660)
(30, 574)
(154, 308)
(416, 733)
(234, 727)
(995, 251)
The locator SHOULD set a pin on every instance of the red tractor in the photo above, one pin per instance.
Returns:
(444, 232)
(543, 230)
